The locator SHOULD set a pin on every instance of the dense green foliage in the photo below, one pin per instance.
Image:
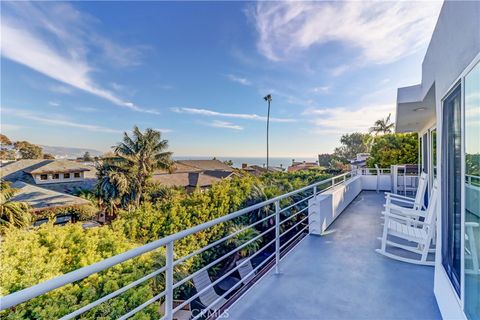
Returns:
(28, 150)
(12, 213)
(395, 148)
(351, 145)
(57, 250)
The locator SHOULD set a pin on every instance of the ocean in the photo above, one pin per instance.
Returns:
(260, 161)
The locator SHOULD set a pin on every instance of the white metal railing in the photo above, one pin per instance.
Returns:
(280, 242)
(472, 180)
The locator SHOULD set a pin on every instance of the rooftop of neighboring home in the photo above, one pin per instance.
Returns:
(258, 170)
(41, 199)
(296, 166)
(194, 173)
(15, 170)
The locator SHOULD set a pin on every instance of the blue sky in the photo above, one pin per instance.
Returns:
(79, 74)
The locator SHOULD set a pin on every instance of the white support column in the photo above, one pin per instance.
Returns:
(169, 282)
(277, 236)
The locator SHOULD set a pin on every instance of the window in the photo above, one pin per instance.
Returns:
(76, 174)
(433, 146)
(66, 176)
(43, 177)
(55, 176)
(451, 187)
(472, 193)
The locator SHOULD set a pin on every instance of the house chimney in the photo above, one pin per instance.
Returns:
(244, 165)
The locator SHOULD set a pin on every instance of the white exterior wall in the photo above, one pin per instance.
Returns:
(61, 179)
(454, 45)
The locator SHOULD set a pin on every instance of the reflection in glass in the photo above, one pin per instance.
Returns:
(433, 139)
(472, 194)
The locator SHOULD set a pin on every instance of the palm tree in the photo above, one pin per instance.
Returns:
(382, 126)
(112, 185)
(13, 213)
(142, 154)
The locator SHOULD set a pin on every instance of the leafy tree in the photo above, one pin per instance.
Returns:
(12, 213)
(4, 140)
(228, 162)
(391, 149)
(28, 150)
(87, 157)
(7, 154)
(142, 154)
(382, 126)
(48, 156)
(351, 145)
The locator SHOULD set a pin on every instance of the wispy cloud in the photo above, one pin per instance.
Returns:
(54, 103)
(9, 127)
(382, 31)
(55, 39)
(238, 79)
(211, 113)
(60, 89)
(224, 125)
(163, 130)
(343, 120)
(86, 109)
(56, 120)
(321, 89)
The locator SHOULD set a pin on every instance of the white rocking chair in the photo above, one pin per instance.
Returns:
(403, 205)
(405, 228)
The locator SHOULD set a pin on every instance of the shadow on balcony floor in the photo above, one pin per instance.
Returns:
(340, 276)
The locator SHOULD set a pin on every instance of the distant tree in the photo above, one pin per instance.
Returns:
(325, 159)
(382, 126)
(140, 155)
(352, 144)
(48, 156)
(228, 162)
(8, 154)
(28, 150)
(394, 148)
(4, 140)
(87, 157)
(12, 213)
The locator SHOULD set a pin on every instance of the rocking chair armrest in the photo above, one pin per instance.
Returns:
(405, 212)
(406, 219)
(394, 195)
(393, 201)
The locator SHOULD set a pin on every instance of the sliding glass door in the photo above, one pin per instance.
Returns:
(472, 194)
(451, 187)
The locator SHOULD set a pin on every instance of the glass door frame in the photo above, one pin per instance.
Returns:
(459, 80)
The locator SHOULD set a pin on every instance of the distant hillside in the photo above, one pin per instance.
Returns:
(69, 153)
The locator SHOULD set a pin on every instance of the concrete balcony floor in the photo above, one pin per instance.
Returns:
(340, 276)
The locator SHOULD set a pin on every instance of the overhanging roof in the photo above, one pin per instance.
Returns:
(414, 111)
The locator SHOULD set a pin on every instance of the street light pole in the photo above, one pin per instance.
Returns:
(268, 98)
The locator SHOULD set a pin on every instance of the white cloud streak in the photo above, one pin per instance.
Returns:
(241, 80)
(245, 116)
(55, 41)
(224, 125)
(345, 120)
(383, 31)
(56, 121)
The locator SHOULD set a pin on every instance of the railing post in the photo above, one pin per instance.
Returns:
(315, 195)
(169, 282)
(277, 237)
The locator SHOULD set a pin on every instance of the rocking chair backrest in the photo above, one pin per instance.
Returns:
(432, 206)
(420, 195)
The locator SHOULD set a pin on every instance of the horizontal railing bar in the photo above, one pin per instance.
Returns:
(294, 237)
(293, 227)
(294, 215)
(223, 277)
(142, 306)
(112, 295)
(213, 244)
(296, 203)
(76, 275)
(179, 283)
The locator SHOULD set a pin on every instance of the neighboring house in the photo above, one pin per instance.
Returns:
(297, 166)
(259, 170)
(191, 174)
(42, 199)
(360, 161)
(59, 175)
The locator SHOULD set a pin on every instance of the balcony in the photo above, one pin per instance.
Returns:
(340, 276)
(335, 275)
